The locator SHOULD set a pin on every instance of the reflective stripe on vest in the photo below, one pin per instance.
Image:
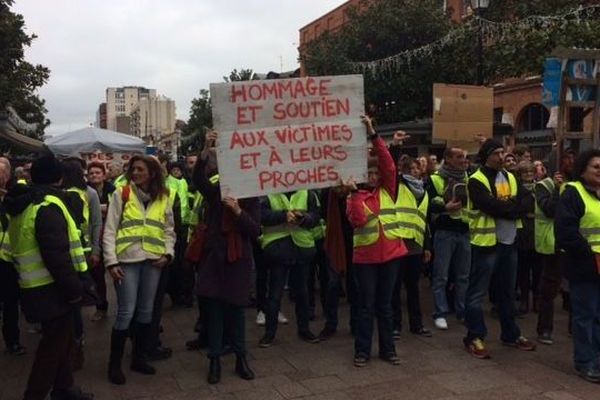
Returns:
(544, 226)
(482, 227)
(145, 226)
(26, 252)
(387, 218)
(411, 219)
(589, 224)
(85, 225)
(300, 236)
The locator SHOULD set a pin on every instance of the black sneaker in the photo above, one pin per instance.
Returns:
(422, 332)
(16, 350)
(360, 360)
(309, 337)
(266, 341)
(391, 358)
(545, 338)
(396, 334)
(159, 353)
(326, 333)
(590, 374)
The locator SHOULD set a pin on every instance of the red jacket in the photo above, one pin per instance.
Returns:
(384, 249)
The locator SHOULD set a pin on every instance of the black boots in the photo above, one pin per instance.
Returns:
(242, 368)
(140, 340)
(117, 348)
(214, 370)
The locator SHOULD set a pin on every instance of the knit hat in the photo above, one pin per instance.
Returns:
(488, 147)
(46, 170)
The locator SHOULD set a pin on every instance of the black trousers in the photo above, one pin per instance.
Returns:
(225, 324)
(52, 367)
(409, 274)
(9, 297)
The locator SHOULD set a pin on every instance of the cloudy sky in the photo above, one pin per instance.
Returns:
(175, 46)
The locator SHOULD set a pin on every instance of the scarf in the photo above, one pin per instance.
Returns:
(415, 185)
(233, 237)
(450, 173)
(334, 236)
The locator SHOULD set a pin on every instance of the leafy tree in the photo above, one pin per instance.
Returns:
(241, 75)
(199, 122)
(20, 79)
(201, 113)
(388, 27)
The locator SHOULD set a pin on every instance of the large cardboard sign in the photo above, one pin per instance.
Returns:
(288, 134)
(460, 112)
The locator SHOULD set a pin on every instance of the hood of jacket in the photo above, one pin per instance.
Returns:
(22, 196)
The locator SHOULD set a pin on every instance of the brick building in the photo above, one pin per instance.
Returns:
(519, 115)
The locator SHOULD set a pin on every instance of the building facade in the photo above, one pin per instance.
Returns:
(101, 116)
(153, 118)
(120, 102)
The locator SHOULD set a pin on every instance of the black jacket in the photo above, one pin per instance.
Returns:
(54, 300)
(582, 265)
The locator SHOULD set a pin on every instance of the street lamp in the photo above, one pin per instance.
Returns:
(479, 6)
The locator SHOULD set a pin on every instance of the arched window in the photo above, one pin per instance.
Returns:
(534, 117)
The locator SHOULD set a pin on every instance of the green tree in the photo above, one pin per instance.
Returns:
(199, 122)
(241, 75)
(20, 79)
(403, 91)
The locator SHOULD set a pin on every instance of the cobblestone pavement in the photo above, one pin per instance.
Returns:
(431, 368)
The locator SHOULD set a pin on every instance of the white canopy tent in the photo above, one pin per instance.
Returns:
(92, 140)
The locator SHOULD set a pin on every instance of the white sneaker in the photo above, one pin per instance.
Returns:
(282, 318)
(441, 324)
(260, 318)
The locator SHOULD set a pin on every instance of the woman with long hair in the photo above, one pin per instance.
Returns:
(139, 239)
(224, 273)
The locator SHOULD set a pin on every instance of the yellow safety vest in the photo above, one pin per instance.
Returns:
(26, 251)
(318, 231)
(179, 186)
(589, 224)
(120, 181)
(5, 250)
(85, 225)
(300, 236)
(544, 226)
(387, 217)
(440, 185)
(482, 227)
(147, 227)
(411, 219)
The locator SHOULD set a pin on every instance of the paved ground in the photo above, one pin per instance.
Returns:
(432, 368)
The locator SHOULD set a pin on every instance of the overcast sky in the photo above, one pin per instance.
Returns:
(175, 46)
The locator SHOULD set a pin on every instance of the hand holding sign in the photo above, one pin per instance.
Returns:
(365, 119)
(233, 205)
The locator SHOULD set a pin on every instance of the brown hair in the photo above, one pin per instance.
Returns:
(406, 163)
(97, 164)
(156, 187)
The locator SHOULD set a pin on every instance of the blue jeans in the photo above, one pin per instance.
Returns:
(375, 283)
(502, 260)
(585, 309)
(451, 250)
(135, 293)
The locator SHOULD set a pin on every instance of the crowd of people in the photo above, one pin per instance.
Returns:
(498, 226)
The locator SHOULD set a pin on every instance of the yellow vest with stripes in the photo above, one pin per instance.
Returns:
(387, 217)
(300, 236)
(5, 250)
(85, 225)
(440, 185)
(482, 227)
(147, 227)
(544, 226)
(589, 224)
(25, 249)
(411, 219)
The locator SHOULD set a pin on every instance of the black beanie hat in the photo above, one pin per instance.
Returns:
(488, 148)
(46, 170)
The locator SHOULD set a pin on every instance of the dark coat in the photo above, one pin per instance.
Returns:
(56, 299)
(216, 277)
(582, 264)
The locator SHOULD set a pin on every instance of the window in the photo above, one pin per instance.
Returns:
(534, 117)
